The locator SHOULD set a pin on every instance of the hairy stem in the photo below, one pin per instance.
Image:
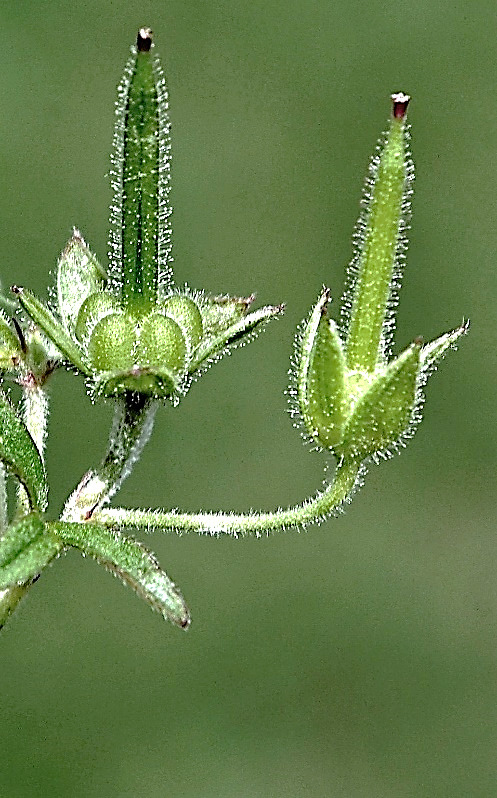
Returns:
(313, 510)
(133, 423)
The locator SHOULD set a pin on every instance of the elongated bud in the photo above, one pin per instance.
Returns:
(376, 267)
(321, 377)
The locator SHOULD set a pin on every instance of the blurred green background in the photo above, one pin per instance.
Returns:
(355, 660)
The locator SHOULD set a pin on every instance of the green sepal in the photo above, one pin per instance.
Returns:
(221, 312)
(158, 383)
(129, 560)
(384, 412)
(79, 274)
(432, 353)
(52, 327)
(26, 549)
(10, 347)
(320, 377)
(213, 347)
(19, 453)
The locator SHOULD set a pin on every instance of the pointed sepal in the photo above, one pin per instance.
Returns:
(384, 413)
(52, 327)
(26, 549)
(19, 453)
(79, 274)
(132, 562)
(435, 351)
(320, 377)
(214, 346)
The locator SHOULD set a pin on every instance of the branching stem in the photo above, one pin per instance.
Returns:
(132, 427)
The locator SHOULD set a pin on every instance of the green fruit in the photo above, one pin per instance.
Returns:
(185, 312)
(93, 309)
(161, 344)
(112, 343)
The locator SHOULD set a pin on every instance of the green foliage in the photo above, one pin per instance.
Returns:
(26, 549)
(19, 453)
(138, 339)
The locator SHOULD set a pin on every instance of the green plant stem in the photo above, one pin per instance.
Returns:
(311, 511)
(133, 424)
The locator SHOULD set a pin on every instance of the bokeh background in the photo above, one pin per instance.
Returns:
(356, 659)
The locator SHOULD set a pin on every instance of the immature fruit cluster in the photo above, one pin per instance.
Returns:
(156, 349)
(135, 332)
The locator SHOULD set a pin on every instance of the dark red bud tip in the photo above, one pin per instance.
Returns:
(419, 340)
(144, 40)
(400, 101)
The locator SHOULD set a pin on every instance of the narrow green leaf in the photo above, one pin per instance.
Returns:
(129, 560)
(10, 346)
(18, 451)
(51, 326)
(26, 549)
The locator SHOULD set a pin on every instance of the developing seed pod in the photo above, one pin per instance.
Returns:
(185, 312)
(161, 344)
(374, 276)
(112, 343)
(140, 239)
(93, 309)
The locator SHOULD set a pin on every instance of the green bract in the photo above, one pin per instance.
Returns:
(132, 330)
(352, 400)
